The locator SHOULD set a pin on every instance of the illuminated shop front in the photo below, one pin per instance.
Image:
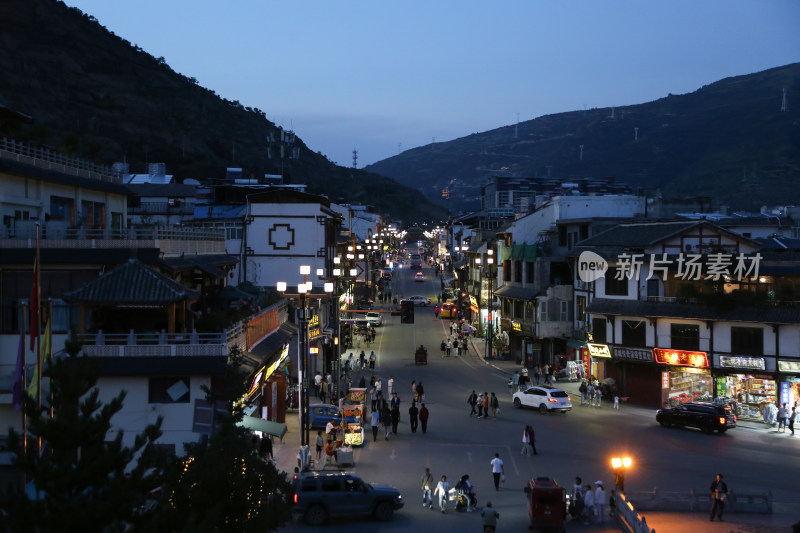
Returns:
(685, 376)
(594, 358)
(747, 383)
(789, 387)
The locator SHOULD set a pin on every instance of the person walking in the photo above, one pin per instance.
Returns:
(427, 486)
(413, 413)
(792, 420)
(423, 418)
(441, 489)
(783, 416)
(320, 443)
(588, 505)
(489, 518)
(472, 400)
(420, 392)
(373, 394)
(414, 390)
(376, 422)
(515, 382)
(583, 389)
(448, 347)
(485, 405)
(395, 413)
(599, 502)
(323, 390)
(532, 439)
(526, 441)
(386, 420)
(494, 403)
(480, 405)
(498, 470)
(372, 359)
(390, 384)
(443, 348)
(719, 493)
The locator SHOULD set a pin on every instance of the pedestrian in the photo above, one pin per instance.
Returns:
(489, 517)
(362, 358)
(792, 420)
(423, 418)
(456, 347)
(323, 391)
(588, 505)
(577, 489)
(362, 383)
(589, 394)
(265, 449)
(320, 444)
(600, 502)
(498, 471)
(376, 421)
(523, 376)
(515, 382)
(448, 347)
(386, 420)
(598, 394)
(413, 413)
(442, 489)
(719, 493)
(414, 390)
(532, 439)
(526, 440)
(420, 392)
(427, 486)
(494, 403)
(390, 384)
(583, 390)
(480, 405)
(485, 405)
(372, 359)
(373, 395)
(395, 413)
(443, 347)
(472, 400)
(536, 373)
(783, 417)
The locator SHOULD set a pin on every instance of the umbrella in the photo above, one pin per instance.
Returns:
(609, 381)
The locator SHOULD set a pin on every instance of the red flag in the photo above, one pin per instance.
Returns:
(34, 305)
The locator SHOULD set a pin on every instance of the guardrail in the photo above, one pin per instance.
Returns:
(102, 344)
(44, 158)
(630, 521)
(756, 502)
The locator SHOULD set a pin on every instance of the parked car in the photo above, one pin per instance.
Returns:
(319, 495)
(374, 318)
(544, 398)
(419, 300)
(419, 277)
(707, 416)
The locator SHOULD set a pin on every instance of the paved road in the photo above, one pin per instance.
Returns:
(578, 443)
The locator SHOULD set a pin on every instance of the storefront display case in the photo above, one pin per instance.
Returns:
(687, 385)
(751, 392)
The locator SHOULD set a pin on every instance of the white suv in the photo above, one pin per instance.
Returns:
(375, 319)
(544, 398)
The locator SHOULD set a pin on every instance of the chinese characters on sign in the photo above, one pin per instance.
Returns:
(599, 350)
(680, 357)
(690, 266)
(633, 354)
(736, 361)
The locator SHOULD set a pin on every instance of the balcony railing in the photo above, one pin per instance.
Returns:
(153, 344)
(50, 160)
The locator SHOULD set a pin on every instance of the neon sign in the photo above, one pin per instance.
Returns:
(665, 356)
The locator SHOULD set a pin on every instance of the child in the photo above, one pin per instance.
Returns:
(616, 402)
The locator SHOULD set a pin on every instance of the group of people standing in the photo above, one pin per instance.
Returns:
(592, 393)
(786, 419)
(387, 414)
(481, 404)
(589, 503)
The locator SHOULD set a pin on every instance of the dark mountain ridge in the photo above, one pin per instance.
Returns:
(729, 140)
(69, 84)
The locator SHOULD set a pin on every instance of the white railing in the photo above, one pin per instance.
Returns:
(102, 344)
(48, 159)
(756, 502)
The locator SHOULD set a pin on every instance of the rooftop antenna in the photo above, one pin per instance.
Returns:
(355, 158)
(635, 134)
(783, 101)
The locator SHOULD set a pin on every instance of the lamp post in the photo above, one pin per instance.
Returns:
(490, 303)
(303, 295)
(339, 275)
(620, 465)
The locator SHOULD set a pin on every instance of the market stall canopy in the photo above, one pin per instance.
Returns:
(264, 426)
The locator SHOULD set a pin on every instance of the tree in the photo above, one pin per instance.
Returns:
(221, 485)
(83, 481)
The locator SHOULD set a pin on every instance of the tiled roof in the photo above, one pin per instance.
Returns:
(132, 284)
(209, 264)
(641, 308)
(516, 293)
(638, 235)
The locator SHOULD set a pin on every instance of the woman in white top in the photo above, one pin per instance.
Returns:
(442, 489)
(599, 502)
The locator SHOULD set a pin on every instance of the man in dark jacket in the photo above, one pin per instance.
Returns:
(412, 416)
(423, 418)
(719, 493)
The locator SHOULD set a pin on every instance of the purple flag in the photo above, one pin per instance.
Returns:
(18, 386)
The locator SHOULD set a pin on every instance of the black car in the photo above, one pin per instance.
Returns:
(709, 417)
(318, 495)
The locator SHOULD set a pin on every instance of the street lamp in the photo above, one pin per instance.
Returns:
(490, 305)
(620, 464)
(304, 293)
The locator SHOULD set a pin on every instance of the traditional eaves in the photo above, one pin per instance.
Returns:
(133, 284)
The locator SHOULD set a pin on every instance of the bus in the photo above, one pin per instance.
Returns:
(416, 261)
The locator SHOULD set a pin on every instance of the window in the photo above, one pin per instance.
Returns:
(747, 341)
(331, 484)
(62, 209)
(653, 287)
(634, 333)
(518, 271)
(543, 311)
(580, 304)
(599, 330)
(614, 286)
(529, 271)
(168, 390)
(684, 337)
(562, 236)
(507, 270)
(564, 310)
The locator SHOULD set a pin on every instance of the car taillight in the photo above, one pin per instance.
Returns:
(553, 400)
(295, 497)
(722, 421)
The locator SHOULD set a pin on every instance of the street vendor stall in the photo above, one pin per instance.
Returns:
(353, 422)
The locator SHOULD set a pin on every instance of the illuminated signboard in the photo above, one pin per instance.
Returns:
(472, 301)
(516, 325)
(314, 330)
(665, 356)
(665, 380)
(313, 350)
(736, 361)
(274, 366)
(599, 350)
(256, 382)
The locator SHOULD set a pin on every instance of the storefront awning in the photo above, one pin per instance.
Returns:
(264, 426)
(516, 293)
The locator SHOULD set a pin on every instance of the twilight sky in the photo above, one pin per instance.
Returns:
(382, 76)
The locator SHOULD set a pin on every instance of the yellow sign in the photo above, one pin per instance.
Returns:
(599, 350)
(473, 301)
(517, 326)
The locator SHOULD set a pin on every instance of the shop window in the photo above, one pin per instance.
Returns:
(168, 390)
(616, 287)
(529, 271)
(747, 341)
(599, 330)
(634, 333)
(518, 271)
(580, 306)
(684, 337)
